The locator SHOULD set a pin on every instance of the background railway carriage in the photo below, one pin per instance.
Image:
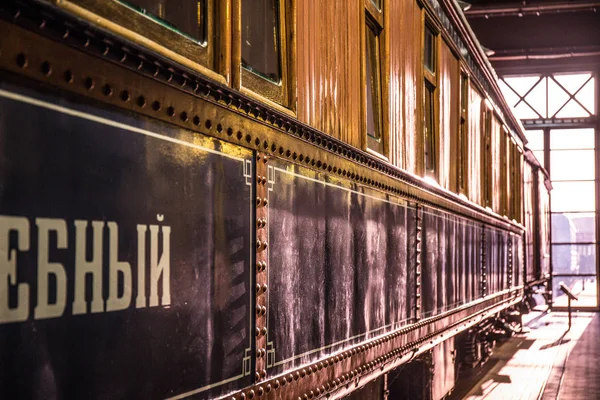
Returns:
(266, 199)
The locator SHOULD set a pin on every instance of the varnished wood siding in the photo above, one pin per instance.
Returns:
(474, 164)
(496, 165)
(449, 87)
(405, 83)
(329, 67)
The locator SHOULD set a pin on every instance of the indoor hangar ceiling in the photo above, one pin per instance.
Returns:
(536, 35)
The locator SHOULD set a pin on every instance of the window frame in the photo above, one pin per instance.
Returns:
(374, 20)
(462, 145)
(430, 87)
(486, 151)
(278, 95)
(118, 18)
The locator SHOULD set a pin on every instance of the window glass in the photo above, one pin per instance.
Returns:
(586, 96)
(583, 287)
(511, 97)
(429, 127)
(523, 111)
(186, 16)
(260, 38)
(535, 139)
(462, 135)
(373, 75)
(376, 3)
(573, 196)
(521, 84)
(572, 165)
(573, 227)
(429, 50)
(574, 258)
(539, 155)
(572, 139)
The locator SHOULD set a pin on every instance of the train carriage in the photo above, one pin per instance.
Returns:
(256, 199)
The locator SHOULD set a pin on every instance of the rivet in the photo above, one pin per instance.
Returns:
(290, 378)
(263, 374)
(302, 373)
(125, 95)
(265, 202)
(46, 68)
(107, 90)
(258, 310)
(263, 310)
(268, 388)
(170, 111)
(68, 76)
(183, 116)
(21, 60)
(251, 394)
(156, 106)
(260, 391)
(89, 83)
(258, 288)
(257, 376)
(264, 332)
(276, 384)
(141, 101)
(257, 331)
(296, 376)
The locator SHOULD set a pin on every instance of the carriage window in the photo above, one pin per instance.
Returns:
(429, 127)
(185, 16)
(462, 150)
(429, 100)
(260, 38)
(429, 49)
(373, 77)
(372, 72)
(486, 157)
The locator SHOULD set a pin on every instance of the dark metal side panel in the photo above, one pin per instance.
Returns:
(451, 261)
(341, 264)
(68, 162)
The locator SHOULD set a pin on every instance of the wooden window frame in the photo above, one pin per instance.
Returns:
(487, 115)
(504, 161)
(431, 79)
(282, 95)
(127, 22)
(374, 20)
(462, 171)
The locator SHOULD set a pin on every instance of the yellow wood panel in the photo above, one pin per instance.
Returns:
(329, 67)
(474, 178)
(496, 163)
(405, 83)
(449, 89)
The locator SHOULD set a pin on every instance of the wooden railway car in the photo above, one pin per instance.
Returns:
(272, 199)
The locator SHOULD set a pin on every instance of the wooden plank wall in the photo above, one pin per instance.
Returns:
(405, 84)
(449, 89)
(329, 67)
(474, 164)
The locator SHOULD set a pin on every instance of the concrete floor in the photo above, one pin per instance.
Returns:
(546, 363)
